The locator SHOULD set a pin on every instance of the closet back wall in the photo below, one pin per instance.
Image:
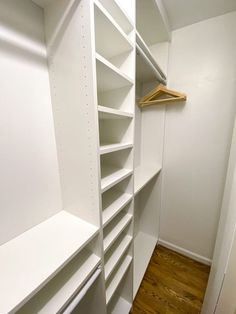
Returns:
(29, 180)
(198, 134)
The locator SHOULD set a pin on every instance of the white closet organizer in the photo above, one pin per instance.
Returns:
(79, 179)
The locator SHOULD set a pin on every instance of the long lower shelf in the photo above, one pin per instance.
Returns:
(64, 286)
(143, 174)
(116, 280)
(29, 261)
(144, 245)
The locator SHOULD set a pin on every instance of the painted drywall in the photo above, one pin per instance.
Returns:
(29, 180)
(198, 134)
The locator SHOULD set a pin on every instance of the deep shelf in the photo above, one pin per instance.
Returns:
(143, 174)
(41, 253)
(112, 176)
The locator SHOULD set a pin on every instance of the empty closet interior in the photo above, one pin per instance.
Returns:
(91, 181)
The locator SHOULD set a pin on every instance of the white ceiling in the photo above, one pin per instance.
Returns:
(186, 12)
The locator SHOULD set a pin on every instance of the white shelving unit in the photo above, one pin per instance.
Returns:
(80, 218)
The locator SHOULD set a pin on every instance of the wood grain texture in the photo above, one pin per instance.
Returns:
(172, 284)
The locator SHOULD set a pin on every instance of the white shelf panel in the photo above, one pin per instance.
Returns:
(109, 148)
(111, 176)
(29, 261)
(109, 77)
(143, 174)
(110, 113)
(122, 306)
(114, 229)
(144, 245)
(148, 53)
(118, 14)
(117, 255)
(116, 280)
(106, 27)
(113, 203)
(63, 287)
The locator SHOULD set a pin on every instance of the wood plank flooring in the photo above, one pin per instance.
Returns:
(173, 284)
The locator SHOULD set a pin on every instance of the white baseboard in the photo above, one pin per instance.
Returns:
(185, 252)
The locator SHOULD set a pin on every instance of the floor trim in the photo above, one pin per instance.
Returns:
(185, 252)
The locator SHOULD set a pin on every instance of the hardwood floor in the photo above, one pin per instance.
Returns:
(172, 284)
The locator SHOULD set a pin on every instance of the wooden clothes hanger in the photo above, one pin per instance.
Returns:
(160, 95)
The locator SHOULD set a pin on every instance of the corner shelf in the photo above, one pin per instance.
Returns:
(117, 255)
(144, 245)
(116, 280)
(113, 204)
(64, 286)
(109, 113)
(112, 176)
(114, 229)
(143, 174)
(110, 77)
(109, 148)
(49, 246)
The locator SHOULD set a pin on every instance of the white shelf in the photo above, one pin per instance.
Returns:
(109, 148)
(147, 67)
(143, 174)
(116, 280)
(115, 256)
(29, 261)
(110, 77)
(111, 176)
(114, 229)
(144, 246)
(110, 113)
(118, 14)
(64, 286)
(121, 306)
(113, 203)
(106, 28)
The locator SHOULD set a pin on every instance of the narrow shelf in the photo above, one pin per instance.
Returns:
(40, 252)
(116, 255)
(112, 176)
(110, 113)
(113, 203)
(118, 14)
(110, 77)
(143, 174)
(121, 306)
(106, 27)
(114, 229)
(116, 280)
(109, 148)
(64, 286)
(144, 245)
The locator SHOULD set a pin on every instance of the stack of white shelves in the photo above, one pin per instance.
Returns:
(115, 88)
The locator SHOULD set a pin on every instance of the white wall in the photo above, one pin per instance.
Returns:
(202, 64)
(29, 177)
